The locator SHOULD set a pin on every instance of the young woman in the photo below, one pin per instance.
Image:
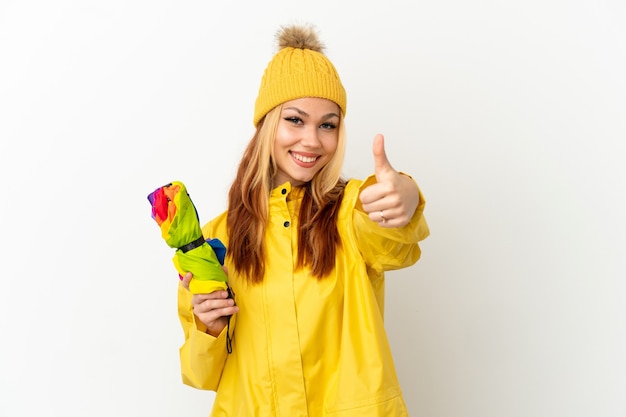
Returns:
(307, 252)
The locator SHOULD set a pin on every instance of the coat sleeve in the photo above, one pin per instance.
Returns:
(202, 356)
(385, 249)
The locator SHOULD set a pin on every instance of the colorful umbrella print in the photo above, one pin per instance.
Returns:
(177, 217)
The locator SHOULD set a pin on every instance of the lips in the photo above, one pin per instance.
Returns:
(304, 160)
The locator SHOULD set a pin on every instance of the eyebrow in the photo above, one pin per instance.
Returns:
(303, 113)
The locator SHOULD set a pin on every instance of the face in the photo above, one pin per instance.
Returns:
(306, 139)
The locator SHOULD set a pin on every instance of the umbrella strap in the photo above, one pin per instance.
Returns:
(229, 339)
(195, 244)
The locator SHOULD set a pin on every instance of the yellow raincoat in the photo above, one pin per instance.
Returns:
(303, 346)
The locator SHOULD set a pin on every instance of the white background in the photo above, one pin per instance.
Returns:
(511, 115)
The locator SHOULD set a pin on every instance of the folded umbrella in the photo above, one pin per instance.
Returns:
(178, 219)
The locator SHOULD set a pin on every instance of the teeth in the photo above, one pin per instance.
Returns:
(304, 158)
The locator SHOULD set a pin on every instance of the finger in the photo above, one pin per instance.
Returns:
(372, 197)
(217, 304)
(213, 309)
(381, 163)
(186, 279)
(215, 295)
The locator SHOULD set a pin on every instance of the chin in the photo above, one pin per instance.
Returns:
(304, 180)
(298, 183)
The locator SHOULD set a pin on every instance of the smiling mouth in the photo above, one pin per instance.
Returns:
(305, 159)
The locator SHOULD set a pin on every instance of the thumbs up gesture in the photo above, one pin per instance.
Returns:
(392, 200)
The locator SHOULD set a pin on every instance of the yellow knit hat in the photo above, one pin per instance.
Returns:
(299, 69)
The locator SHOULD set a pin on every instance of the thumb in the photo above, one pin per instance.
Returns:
(381, 163)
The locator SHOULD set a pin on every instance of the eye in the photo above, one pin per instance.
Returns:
(294, 119)
(328, 126)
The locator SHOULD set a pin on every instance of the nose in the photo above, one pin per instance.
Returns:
(310, 137)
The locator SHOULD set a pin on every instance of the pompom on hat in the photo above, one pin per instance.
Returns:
(299, 69)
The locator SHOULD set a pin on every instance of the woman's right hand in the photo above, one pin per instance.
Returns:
(211, 309)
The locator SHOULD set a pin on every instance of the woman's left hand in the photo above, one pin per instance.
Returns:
(392, 201)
